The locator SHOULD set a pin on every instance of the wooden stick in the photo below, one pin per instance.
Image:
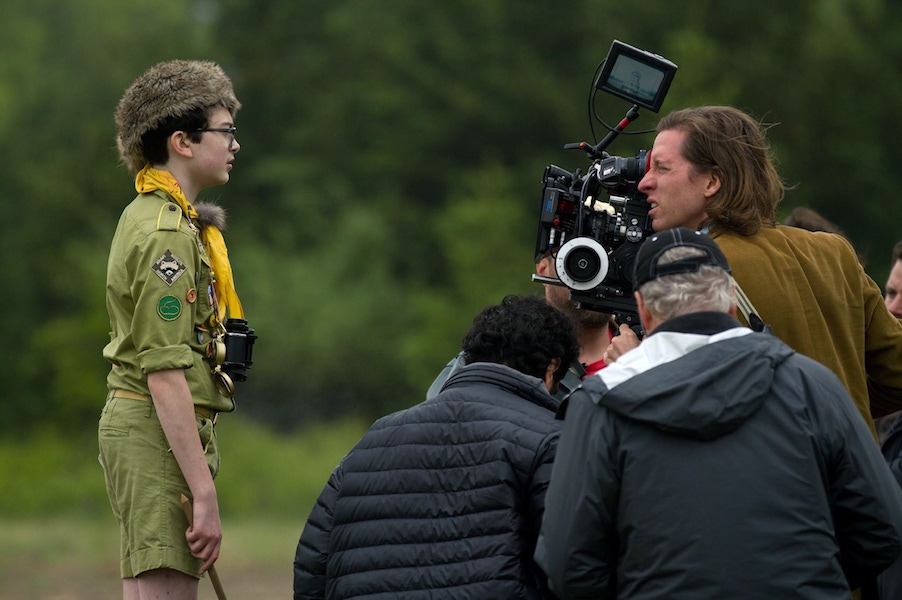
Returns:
(214, 576)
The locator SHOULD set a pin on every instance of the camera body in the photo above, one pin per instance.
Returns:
(593, 224)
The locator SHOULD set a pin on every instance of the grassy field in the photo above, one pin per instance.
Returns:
(59, 559)
(59, 540)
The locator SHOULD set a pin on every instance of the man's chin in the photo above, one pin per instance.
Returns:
(579, 317)
(589, 319)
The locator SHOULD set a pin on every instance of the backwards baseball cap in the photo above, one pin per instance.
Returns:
(651, 250)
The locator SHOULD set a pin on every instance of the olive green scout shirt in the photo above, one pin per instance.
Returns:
(159, 297)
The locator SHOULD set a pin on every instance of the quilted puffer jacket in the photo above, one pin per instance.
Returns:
(441, 500)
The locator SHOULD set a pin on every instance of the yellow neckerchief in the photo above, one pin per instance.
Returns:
(228, 304)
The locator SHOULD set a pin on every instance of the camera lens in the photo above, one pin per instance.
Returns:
(582, 263)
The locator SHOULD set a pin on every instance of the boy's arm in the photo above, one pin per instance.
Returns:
(175, 409)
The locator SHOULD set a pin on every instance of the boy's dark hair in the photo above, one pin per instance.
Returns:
(155, 143)
(524, 333)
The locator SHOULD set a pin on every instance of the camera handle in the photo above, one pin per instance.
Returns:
(597, 151)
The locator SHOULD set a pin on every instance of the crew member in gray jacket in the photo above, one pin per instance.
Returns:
(711, 461)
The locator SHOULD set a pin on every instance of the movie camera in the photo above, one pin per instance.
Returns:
(592, 225)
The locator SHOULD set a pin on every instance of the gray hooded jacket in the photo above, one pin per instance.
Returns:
(713, 462)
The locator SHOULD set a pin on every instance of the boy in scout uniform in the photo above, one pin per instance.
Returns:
(169, 292)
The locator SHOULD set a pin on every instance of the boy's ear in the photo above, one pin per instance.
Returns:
(180, 144)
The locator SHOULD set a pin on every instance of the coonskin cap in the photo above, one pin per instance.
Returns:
(168, 89)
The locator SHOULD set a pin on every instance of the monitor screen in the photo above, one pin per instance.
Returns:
(635, 75)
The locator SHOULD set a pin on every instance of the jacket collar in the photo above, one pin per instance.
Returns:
(704, 323)
(526, 386)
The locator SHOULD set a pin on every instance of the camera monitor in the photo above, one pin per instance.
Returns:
(636, 75)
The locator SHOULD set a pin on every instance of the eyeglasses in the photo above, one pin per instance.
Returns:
(228, 130)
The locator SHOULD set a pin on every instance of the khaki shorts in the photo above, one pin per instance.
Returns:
(145, 484)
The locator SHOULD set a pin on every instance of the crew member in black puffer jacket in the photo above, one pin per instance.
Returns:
(445, 499)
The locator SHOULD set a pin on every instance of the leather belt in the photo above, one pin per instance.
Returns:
(129, 395)
(203, 411)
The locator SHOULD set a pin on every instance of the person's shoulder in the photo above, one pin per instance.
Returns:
(817, 385)
(154, 211)
(398, 417)
(806, 246)
(779, 233)
(808, 366)
(585, 399)
(820, 247)
(799, 235)
(510, 401)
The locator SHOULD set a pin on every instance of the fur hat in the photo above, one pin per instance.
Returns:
(168, 89)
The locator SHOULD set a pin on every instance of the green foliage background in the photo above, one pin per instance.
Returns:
(389, 176)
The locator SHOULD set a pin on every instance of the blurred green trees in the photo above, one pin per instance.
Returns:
(389, 176)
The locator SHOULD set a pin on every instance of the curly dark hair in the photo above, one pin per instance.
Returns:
(524, 333)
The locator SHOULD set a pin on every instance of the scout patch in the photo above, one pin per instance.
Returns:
(169, 267)
(169, 308)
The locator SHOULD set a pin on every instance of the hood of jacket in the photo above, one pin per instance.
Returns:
(716, 382)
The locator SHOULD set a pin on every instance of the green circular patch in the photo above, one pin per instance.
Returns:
(169, 308)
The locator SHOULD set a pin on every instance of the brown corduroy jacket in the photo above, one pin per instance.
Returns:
(812, 291)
